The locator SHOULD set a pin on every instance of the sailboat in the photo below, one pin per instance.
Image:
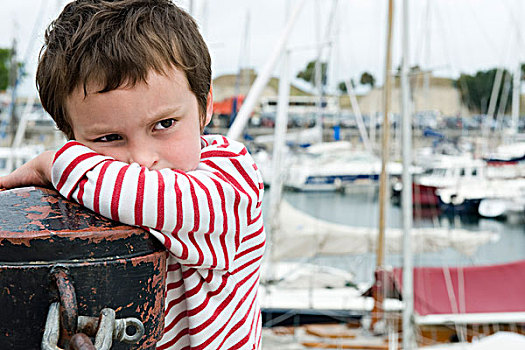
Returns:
(295, 292)
(447, 304)
(314, 242)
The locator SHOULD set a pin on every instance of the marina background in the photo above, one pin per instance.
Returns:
(448, 37)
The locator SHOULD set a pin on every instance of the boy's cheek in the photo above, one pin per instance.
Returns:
(106, 151)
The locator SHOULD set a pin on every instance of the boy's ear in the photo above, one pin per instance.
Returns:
(209, 107)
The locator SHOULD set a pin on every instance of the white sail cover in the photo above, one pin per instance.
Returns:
(499, 340)
(301, 236)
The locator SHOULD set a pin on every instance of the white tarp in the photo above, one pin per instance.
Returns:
(301, 235)
(500, 340)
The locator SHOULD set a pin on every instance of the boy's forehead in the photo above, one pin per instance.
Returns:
(168, 88)
(97, 84)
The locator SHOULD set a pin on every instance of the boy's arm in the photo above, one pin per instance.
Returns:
(198, 215)
(36, 172)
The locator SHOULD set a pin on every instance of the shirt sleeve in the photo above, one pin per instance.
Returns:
(200, 216)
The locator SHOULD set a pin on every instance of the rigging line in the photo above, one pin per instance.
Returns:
(466, 96)
(243, 53)
(462, 44)
(330, 35)
(504, 98)
(452, 299)
(516, 24)
(336, 57)
(36, 27)
(426, 49)
(417, 208)
(461, 290)
(347, 58)
(424, 22)
(498, 93)
(450, 289)
(380, 11)
(428, 35)
(329, 28)
(444, 29)
(482, 27)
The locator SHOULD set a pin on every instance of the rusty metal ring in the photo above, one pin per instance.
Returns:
(68, 300)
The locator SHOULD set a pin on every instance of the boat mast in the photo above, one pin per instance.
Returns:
(281, 121)
(491, 111)
(516, 89)
(318, 75)
(408, 297)
(243, 54)
(516, 81)
(377, 312)
(358, 116)
(260, 82)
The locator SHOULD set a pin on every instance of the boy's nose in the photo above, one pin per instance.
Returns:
(143, 157)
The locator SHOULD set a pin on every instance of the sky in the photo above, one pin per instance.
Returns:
(448, 37)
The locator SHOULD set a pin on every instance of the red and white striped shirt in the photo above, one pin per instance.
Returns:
(210, 220)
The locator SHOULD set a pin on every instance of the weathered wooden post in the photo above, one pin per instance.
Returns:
(65, 270)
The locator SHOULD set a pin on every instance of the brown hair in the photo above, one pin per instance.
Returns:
(116, 43)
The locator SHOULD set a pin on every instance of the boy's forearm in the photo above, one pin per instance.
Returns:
(200, 214)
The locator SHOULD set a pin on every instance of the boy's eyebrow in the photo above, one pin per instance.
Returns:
(97, 129)
(162, 113)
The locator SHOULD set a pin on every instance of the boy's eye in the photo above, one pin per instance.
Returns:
(164, 124)
(109, 138)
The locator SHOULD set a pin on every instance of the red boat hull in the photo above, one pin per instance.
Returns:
(424, 195)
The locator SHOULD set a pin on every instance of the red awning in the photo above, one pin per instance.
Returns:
(225, 106)
(469, 289)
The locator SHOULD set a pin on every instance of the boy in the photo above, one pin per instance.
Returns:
(129, 82)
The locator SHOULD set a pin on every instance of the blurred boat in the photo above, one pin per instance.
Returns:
(451, 172)
(511, 208)
(507, 154)
(466, 198)
(441, 171)
(327, 166)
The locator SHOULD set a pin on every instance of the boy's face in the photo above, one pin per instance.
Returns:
(156, 125)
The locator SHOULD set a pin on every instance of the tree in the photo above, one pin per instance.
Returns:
(5, 66)
(308, 73)
(342, 86)
(8, 74)
(367, 79)
(476, 90)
